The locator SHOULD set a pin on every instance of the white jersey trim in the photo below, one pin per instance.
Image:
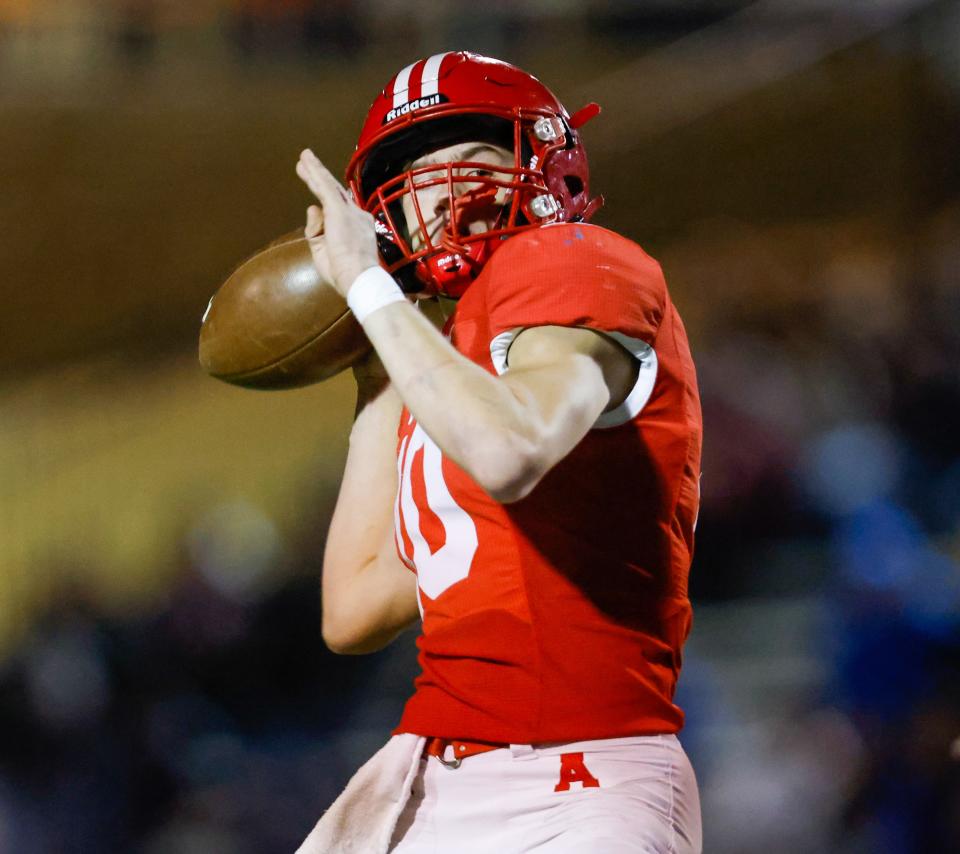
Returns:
(634, 402)
(500, 346)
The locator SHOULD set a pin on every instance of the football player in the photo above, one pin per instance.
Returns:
(524, 483)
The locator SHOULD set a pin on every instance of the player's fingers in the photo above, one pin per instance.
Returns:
(327, 191)
(314, 226)
(314, 164)
(324, 178)
(309, 175)
(314, 172)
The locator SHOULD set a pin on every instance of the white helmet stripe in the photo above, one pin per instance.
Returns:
(430, 78)
(401, 84)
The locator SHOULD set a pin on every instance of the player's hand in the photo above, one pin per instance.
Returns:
(350, 246)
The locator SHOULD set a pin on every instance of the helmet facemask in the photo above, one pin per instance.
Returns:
(510, 198)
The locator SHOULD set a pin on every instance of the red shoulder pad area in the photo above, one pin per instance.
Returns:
(574, 274)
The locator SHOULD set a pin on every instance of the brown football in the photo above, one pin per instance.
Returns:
(276, 323)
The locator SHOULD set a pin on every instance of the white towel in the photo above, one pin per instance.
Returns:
(362, 819)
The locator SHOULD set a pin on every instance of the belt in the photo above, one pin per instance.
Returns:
(461, 749)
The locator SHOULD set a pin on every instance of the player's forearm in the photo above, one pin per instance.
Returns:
(474, 417)
(363, 515)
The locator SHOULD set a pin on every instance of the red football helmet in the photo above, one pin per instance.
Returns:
(462, 97)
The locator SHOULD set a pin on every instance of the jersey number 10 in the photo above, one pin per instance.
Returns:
(426, 515)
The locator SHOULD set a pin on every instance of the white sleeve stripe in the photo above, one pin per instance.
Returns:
(499, 347)
(633, 403)
(430, 76)
(642, 388)
(401, 85)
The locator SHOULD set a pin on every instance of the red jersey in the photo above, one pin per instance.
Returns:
(560, 617)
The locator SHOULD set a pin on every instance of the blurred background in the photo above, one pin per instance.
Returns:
(793, 164)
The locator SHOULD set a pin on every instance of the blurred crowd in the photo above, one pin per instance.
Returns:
(217, 723)
(341, 29)
(285, 29)
(829, 358)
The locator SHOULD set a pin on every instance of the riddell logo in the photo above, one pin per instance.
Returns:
(415, 104)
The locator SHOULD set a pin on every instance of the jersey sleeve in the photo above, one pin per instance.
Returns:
(576, 275)
(579, 275)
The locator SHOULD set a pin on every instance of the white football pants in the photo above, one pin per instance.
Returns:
(609, 796)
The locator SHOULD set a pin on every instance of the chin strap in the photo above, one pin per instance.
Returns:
(452, 273)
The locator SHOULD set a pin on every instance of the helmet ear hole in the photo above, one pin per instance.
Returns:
(574, 184)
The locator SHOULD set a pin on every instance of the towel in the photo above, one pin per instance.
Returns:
(362, 819)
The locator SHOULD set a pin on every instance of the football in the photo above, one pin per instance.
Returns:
(275, 322)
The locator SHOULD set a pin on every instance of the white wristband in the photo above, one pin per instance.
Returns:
(371, 290)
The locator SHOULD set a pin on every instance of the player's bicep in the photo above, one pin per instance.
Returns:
(545, 345)
(558, 377)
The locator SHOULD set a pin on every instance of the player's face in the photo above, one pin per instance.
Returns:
(434, 201)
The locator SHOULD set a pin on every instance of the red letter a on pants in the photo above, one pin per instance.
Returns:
(572, 770)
